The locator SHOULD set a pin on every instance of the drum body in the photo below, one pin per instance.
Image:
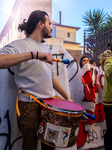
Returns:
(59, 123)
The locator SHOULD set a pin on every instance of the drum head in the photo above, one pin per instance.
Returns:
(65, 106)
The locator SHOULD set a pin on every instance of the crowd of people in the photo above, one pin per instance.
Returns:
(106, 67)
(91, 79)
(33, 67)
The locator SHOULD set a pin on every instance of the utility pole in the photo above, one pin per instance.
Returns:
(84, 40)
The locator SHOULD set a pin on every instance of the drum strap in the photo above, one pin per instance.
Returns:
(30, 96)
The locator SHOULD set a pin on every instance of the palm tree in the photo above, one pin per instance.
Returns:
(108, 21)
(94, 20)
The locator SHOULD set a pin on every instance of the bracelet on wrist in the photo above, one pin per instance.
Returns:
(37, 55)
(32, 54)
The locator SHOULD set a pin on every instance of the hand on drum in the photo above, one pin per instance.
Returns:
(69, 99)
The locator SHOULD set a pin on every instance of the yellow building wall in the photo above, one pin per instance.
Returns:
(61, 36)
(61, 32)
(70, 46)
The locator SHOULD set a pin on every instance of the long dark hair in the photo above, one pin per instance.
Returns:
(32, 22)
(80, 63)
(109, 46)
(91, 61)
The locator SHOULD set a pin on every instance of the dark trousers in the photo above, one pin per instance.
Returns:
(29, 123)
(108, 135)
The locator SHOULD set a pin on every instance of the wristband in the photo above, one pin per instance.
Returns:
(37, 55)
(32, 55)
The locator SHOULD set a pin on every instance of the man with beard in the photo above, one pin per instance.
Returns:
(33, 76)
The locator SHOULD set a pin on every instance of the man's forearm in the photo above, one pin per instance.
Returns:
(57, 86)
(9, 60)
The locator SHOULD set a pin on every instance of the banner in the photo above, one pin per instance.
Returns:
(91, 133)
(10, 136)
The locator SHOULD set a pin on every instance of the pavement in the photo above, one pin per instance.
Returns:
(98, 148)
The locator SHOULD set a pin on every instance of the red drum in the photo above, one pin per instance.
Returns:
(59, 122)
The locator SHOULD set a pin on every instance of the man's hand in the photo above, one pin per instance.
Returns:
(69, 99)
(46, 57)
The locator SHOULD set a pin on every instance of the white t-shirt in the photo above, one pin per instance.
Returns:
(32, 76)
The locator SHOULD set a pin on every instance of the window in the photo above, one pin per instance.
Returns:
(68, 34)
(53, 34)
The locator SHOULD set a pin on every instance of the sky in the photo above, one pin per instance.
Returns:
(71, 12)
(5, 9)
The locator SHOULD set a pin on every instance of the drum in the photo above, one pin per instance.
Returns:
(59, 122)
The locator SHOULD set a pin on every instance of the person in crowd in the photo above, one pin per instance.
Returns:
(34, 74)
(87, 102)
(93, 63)
(89, 75)
(84, 60)
(106, 64)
